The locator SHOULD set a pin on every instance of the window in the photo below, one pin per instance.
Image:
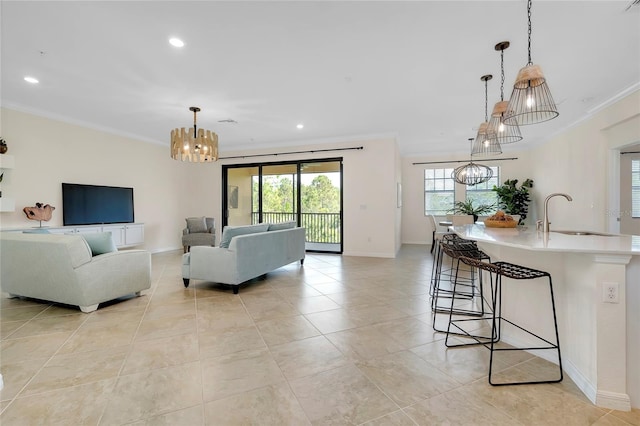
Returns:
(635, 188)
(439, 191)
(482, 193)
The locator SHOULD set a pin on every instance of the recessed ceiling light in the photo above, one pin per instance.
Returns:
(31, 80)
(176, 42)
(300, 126)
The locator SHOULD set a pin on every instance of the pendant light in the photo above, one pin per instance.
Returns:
(504, 133)
(195, 145)
(472, 174)
(531, 101)
(486, 141)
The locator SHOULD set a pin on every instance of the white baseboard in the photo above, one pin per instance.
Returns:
(587, 388)
(613, 400)
(604, 399)
(419, 243)
(166, 249)
(366, 254)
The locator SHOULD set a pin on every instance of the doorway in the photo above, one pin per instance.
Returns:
(306, 192)
(629, 213)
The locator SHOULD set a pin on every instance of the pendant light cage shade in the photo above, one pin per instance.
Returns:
(194, 145)
(504, 133)
(472, 174)
(486, 142)
(531, 101)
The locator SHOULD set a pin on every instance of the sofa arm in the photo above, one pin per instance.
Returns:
(112, 275)
(185, 231)
(215, 264)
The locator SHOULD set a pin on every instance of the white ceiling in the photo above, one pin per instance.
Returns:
(344, 69)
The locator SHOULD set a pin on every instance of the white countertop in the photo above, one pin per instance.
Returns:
(528, 238)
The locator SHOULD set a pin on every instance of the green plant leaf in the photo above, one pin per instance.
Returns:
(514, 200)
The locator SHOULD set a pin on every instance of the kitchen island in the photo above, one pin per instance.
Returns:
(597, 290)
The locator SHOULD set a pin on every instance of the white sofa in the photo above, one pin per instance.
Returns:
(248, 256)
(61, 268)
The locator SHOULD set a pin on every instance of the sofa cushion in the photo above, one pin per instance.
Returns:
(232, 231)
(281, 225)
(196, 224)
(100, 242)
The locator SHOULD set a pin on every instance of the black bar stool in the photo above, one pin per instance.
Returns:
(437, 271)
(455, 247)
(515, 272)
(457, 252)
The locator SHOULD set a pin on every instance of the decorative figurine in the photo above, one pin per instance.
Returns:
(39, 212)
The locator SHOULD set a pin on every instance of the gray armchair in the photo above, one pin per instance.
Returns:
(200, 231)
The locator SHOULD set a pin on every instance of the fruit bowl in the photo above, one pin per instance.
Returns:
(500, 220)
(500, 223)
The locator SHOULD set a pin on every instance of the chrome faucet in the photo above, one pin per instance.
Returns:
(545, 222)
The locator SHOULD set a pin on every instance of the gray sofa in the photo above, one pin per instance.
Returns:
(248, 255)
(62, 269)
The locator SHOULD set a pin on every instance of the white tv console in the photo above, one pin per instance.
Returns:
(124, 234)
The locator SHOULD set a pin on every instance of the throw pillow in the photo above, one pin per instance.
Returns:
(281, 226)
(196, 224)
(100, 243)
(233, 231)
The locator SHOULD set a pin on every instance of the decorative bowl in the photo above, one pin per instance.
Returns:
(500, 223)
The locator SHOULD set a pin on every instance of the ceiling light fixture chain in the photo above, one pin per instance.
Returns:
(503, 132)
(502, 73)
(529, 33)
(531, 101)
(195, 110)
(486, 97)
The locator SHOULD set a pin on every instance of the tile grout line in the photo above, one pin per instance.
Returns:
(131, 343)
(17, 395)
(286, 380)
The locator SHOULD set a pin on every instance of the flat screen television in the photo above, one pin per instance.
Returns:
(94, 204)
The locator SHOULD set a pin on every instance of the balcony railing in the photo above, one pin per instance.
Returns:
(320, 227)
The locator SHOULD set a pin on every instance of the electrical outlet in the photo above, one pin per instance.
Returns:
(610, 292)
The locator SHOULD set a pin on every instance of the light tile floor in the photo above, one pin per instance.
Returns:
(341, 340)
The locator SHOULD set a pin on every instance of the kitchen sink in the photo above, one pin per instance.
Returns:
(600, 234)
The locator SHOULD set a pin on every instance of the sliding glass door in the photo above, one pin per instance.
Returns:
(238, 195)
(321, 204)
(278, 194)
(307, 192)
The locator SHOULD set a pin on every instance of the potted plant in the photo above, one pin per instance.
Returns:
(513, 199)
(467, 207)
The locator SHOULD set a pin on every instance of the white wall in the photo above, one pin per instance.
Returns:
(399, 194)
(578, 162)
(584, 162)
(49, 152)
(415, 228)
(371, 227)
